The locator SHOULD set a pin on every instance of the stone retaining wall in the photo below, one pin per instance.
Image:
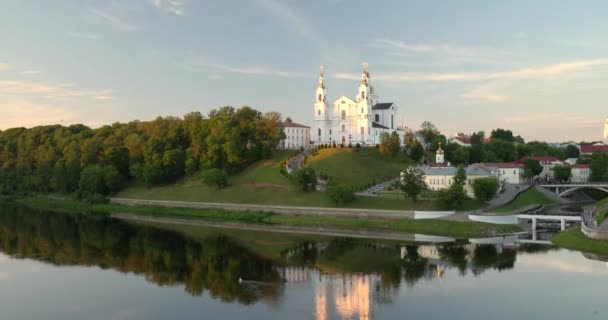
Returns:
(285, 210)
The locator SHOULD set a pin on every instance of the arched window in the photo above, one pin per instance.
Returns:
(343, 114)
(319, 112)
(343, 128)
(377, 118)
(391, 121)
(319, 97)
(362, 94)
(361, 110)
(319, 132)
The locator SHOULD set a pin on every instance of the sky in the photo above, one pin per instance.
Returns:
(539, 68)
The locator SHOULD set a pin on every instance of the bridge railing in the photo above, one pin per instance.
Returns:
(589, 225)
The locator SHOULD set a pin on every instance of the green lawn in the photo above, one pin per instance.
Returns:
(604, 213)
(574, 239)
(524, 199)
(357, 168)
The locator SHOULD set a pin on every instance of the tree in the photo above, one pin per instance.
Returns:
(562, 173)
(599, 167)
(485, 189)
(453, 197)
(428, 131)
(99, 179)
(532, 168)
(501, 151)
(502, 134)
(413, 148)
(412, 183)
(460, 178)
(389, 144)
(306, 179)
(572, 151)
(340, 194)
(477, 147)
(215, 178)
(457, 154)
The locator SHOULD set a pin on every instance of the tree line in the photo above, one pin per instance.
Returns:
(76, 158)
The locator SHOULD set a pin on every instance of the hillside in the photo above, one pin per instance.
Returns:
(357, 167)
(262, 183)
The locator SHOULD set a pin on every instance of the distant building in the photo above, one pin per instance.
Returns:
(464, 140)
(296, 135)
(439, 175)
(350, 121)
(580, 173)
(512, 173)
(548, 162)
(588, 149)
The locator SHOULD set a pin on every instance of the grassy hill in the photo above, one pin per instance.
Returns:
(524, 199)
(357, 167)
(262, 183)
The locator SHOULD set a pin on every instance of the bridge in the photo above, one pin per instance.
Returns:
(564, 189)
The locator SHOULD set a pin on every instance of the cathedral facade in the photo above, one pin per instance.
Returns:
(351, 121)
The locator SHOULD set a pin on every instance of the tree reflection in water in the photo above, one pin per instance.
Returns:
(352, 271)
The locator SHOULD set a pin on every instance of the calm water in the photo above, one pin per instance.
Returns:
(57, 266)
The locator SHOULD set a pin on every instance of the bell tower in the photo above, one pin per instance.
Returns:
(321, 129)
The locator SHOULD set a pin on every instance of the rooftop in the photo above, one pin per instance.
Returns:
(291, 124)
(382, 106)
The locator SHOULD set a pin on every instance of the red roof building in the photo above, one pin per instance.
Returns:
(590, 148)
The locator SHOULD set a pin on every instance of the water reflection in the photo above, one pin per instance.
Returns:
(343, 278)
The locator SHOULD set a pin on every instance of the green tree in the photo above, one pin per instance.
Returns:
(389, 144)
(453, 197)
(572, 151)
(502, 134)
(412, 183)
(532, 168)
(428, 131)
(306, 179)
(599, 167)
(340, 194)
(562, 173)
(477, 147)
(98, 179)
(215, 178)
(485, 189)
(460, 178)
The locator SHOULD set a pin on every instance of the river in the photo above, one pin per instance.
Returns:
(62, 266)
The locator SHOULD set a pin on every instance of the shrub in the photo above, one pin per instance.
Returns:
(215, 178)
(485, 188)
(306, 179)
(358, 146)
(340, 194)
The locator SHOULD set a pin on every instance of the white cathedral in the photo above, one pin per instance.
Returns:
(361, 120)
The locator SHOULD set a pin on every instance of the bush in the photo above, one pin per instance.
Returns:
(453, 197)
(358, 146)
(99, 179)
(485, 189)
(215, 178)
(340, 194)
(350, 145)
(306, 179)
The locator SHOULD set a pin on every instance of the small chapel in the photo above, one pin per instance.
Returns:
(350, 121)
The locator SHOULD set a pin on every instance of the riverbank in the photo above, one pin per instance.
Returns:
(458, 229)
(574, 239)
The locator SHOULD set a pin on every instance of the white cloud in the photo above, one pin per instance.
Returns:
(82, 35)
(19, 112)
(248, 70)
(30, 72)
(547, 71)
(3, 66)
(484, 94)
(50, 91)
(176, 7)
(115, 21)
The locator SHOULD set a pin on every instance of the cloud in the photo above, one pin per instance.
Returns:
(248, 70)
(3, 66)
(114, 21)
(81, 35)
(484, 94)
(547, 71)
(30, 72)
(175, 7)
(50, 91)
(442, 53)
(24, 113)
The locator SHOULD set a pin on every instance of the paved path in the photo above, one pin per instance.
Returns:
(373, 190)
(552, 195)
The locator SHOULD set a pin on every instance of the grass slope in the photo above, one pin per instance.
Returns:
(262, 183)
(604, 213)
(357, 167)
(574, 239)
(524, 199)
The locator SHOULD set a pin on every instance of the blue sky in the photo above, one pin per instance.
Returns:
(539, 68)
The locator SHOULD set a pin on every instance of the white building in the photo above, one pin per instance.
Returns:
(296, 136)
(511, 173)
(351, 121)
(548, 162)
(580, 173)
(440, 176)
